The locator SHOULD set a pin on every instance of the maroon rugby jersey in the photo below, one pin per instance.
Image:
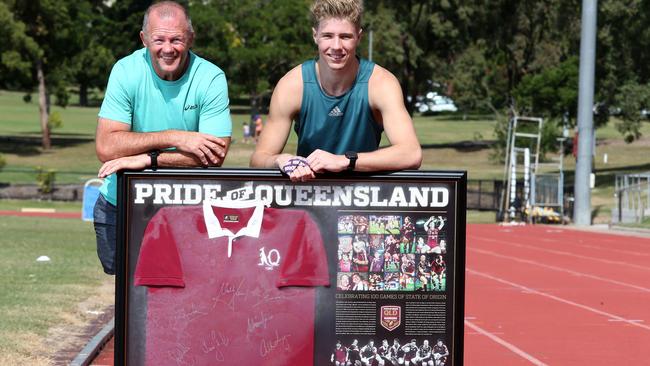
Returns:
(231, 282)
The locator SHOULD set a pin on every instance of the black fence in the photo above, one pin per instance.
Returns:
(484, 194)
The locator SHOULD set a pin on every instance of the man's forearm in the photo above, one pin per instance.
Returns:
(181, 159)
(390, 158)
(118, 144)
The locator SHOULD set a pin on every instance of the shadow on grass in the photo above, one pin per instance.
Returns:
(462, 146)
(31, 145)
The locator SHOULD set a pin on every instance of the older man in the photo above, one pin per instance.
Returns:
(164, 106)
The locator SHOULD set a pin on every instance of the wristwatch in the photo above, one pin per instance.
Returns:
(352, 156)
(154, 159)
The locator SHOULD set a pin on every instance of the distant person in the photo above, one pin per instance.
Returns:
(164, 106)
(246, 132)
(341, 105)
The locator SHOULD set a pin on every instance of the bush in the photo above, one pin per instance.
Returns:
(45, 179)
(55, 120)
(2, 161)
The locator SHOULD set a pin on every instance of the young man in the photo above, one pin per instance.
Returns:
(164, 106)
(341, 105)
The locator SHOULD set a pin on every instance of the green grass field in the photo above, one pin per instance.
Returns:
(35, 295)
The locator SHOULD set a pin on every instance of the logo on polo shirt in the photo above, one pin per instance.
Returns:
(335, 112)
(193, 106)
(269, 260)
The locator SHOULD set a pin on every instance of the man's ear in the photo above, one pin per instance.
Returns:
(143, 38)
(314, 34)
(190, 39)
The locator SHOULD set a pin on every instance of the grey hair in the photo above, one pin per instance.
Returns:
(166, 9)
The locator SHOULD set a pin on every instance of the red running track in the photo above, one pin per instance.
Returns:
(548, 295)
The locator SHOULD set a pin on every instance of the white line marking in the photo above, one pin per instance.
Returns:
(610, 248)
(630, 320)
(556, 298)
(530, 358)
(559, 252)
(560, 269)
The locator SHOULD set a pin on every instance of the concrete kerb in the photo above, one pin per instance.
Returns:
(94, 346)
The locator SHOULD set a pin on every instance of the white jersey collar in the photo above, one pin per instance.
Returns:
(213, 224)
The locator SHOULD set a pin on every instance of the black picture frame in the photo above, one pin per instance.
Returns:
(132, 220)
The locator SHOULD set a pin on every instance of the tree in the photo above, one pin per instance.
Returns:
(417, 40)
(255, 41)
(50, 26)
(632, 98)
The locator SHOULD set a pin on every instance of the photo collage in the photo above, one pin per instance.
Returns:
(391, 252)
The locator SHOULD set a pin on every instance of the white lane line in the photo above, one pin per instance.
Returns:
(560, 269)
(559, 299)
(609, 248)
(559, 252)
(530, 358)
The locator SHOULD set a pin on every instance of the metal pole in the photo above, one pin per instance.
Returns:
(582, 208)
(370, 45)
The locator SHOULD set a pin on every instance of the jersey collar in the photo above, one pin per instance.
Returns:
(213, 224)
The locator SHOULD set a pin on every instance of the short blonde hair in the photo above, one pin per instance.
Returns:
(350, 10)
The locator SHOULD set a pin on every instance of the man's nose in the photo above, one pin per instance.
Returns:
(167, 47)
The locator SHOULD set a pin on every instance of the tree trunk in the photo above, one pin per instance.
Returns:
(42, 106)
(254, 101)
(83, 95)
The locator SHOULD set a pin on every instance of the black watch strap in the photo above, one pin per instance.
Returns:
(352, 156)
(154, 159)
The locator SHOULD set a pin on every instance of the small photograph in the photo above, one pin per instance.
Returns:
(406, 246)
(391, 244)
(344, 282)
(346, 224)
(345, 261)
(391, 262)
(385, 224)
(406, 282)
(407, 272)
(408, 229)
(376, 282)
(359, 281)
(432, 227)
(376, 241)
(391, 281)
(423, 279)
(360, 257)
(421, 245)
(345, 253)
(360, 224)
(439, 273)
(441, 248)
(407, 264)
(377, 261)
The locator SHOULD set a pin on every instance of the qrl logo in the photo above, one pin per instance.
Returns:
(269, 260)
(390, 317)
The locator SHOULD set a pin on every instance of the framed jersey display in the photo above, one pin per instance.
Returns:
(245, 267)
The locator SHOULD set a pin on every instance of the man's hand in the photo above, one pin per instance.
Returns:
(321, 161)
(301, 173)
(210, 150)
(135, 162)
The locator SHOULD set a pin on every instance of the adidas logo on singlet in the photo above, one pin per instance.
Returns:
(335, 112)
